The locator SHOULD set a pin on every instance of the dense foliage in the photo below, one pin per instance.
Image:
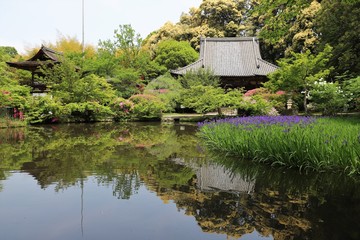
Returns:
(173, 54)
(315, 43)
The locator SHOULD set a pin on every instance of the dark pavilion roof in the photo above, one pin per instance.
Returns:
(230, 57)
(43, 55)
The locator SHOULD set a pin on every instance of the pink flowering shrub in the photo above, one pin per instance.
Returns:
(251, 92)
(18, 114)
(122, 109)
(277, 100)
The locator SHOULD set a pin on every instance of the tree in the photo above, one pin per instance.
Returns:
(173, 54)
(147, 107)
(67, 83)
(352, 90)
(167, 89)
(298, 73)
(126, 82)
(203, 99)
(338, 24)
(203, 77)
(12, 94)
(328, 97)
(226, 16)
(72, 48)
(283, 26)
(125, 46)
(213, 18)
(124, 53)
(10, 51)
(303, 33)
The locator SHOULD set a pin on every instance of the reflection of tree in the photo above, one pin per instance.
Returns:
(63, 156)
(13, 149)
(124, 183)
(66, 154)
(285, 206)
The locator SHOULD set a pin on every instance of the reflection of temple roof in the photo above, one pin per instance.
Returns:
(212, 177)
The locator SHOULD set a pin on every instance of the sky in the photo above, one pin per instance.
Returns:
(25, 24)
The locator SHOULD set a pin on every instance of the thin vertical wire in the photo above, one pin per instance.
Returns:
(83, 28)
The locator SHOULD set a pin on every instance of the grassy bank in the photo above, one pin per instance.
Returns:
(322, 144)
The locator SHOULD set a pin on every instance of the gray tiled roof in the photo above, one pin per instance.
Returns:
(230, 57)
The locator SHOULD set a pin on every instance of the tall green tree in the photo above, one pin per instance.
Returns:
(338, 24)
(68, 83)
(125, 52)
(298, 73)
(125, 45)
(213, 18)
(284, 26)
(12, 94)
(173, 54)
(128, 44)
(226, 16)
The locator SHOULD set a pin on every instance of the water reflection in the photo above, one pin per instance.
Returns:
(233, 198)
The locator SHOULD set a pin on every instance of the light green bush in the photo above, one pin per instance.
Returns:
(167, 89)
(147, 107)
(327, 97)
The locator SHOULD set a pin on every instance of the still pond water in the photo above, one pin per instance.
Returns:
(154, 181)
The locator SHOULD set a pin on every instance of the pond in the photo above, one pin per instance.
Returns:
(155, 181)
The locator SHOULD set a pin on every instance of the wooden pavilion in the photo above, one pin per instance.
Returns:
(237, 61)
(44, 57)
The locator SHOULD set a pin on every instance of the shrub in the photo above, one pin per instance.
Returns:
(327, 98)
(86, 112)
(203, 99)
(44, 109)
(352, 90)
(122, 109)
(203, 77)
(276, 100)
(147, 107)
(167, 89)
(254, 106)
(126, 82)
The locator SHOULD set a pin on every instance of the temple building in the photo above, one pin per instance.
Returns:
(45, 56)
(237, 61)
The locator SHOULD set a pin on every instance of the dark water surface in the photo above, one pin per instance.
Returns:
(153, 181)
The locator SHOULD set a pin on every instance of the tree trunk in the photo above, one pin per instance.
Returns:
(305, 102)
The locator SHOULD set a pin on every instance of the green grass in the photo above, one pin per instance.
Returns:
(328, 144)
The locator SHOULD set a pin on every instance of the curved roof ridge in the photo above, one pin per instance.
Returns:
(187, 66)
(268, 63)
(51, 50)
(48, 52)
(229, 39)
